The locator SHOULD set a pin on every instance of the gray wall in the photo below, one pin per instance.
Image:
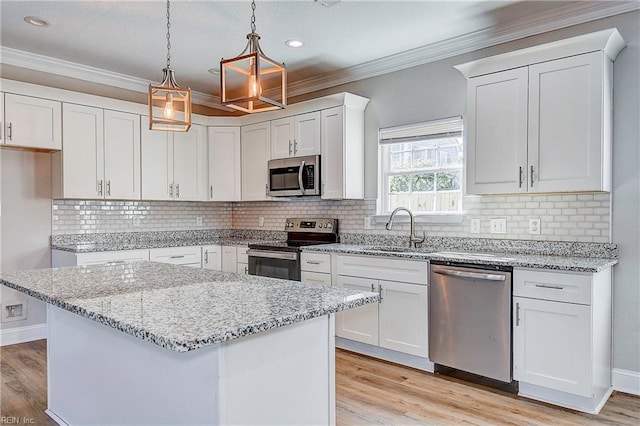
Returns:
(436, 90)
(25, 182)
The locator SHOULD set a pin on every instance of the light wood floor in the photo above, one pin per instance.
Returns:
(368, 391)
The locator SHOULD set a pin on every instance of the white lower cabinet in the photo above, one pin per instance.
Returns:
(61, 258)
(212, 257)
(399, 321)
(187, 256)
(242, 265)
(315, 268)
(562, 337)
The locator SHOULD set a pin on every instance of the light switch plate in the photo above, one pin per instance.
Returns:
(136, 221)
(498, 225)
(475, 226)
(199, 221)
(261, 221)
(534, 226)
(367, 222)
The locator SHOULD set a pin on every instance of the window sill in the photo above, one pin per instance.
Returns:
(422, 218)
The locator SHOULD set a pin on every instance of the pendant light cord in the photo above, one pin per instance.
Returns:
(168, 37)
(253, 16)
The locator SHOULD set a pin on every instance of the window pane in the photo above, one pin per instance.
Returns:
(448, 201)
(422, 182)
(423, 202)
(447, 181)
(399, 183)
(396, 161)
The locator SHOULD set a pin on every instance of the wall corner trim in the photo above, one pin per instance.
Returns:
(13, 336)
(626, 381)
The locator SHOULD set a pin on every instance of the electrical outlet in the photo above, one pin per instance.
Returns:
(199, 221)
(475, 226)
(136, 221)
(367, 222)
(498, 225)
(261, 221)
(15, 310)
(534, 226)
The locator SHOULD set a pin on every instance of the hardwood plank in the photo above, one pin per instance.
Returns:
(368, 392)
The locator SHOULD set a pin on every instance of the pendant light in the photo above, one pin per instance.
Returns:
(246, 79)
(169, 104)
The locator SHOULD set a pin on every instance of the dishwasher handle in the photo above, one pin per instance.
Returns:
(467, 274)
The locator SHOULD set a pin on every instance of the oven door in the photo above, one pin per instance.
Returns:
(274, 264)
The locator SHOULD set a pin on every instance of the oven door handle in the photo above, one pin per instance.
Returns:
(300, 182)
(273, 254)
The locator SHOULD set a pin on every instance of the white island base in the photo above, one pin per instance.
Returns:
(99, 375)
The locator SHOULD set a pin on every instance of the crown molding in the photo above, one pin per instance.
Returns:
(47, 64)
(557, 18)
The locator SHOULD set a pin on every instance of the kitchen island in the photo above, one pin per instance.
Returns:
(151, 343)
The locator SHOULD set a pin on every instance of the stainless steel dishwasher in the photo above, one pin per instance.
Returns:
(470, 319)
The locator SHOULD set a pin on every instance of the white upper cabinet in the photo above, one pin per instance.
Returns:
(544, 125)
(32, 122)
(174, 164)
(100, 157)
(296, 136)
(255, 149)
(121, 155)
(224, 164)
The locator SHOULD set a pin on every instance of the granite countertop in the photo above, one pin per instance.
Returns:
(90, 247)
(178, 307)
(561, 263)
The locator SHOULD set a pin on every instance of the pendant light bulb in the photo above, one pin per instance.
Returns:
(169, 111)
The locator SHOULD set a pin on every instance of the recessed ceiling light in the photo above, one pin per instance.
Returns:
(293, 43)
(38, 22)
(214, 71)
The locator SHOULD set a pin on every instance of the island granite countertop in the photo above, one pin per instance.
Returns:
(178, 307)
(556, 262)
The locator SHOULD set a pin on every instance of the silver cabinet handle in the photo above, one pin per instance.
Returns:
(465, 274)
(246, 270)
(289, 146)
(312, 262)
(115, 262)
(109, 188)
(380, 292)
(272, 254)
(520, 177)
(206, 257)
(552, 287)
(211, 191)
(177, 190)
(517, 314)
(372, 287)
(300, 177)
(10, 131)
(100, 187)
(532, 176)
(295, 147)
(177, 256)
(171, 190)
(266, 189)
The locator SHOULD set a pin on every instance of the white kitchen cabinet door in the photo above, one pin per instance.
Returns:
(190, 164)
(315, 278)
(80, 173)
(282, 135)
(552, 345)
(403, 318)
(212, 257)
(2, 122)
(157, 163)
(342, 134)
(361, 323)
(121, 155)
(32, 122)
(566, 125)
(224, 164)
(229, 259)
(306, 139)
(255, 150)
(110, 257)
(496, 132)
(242, 268)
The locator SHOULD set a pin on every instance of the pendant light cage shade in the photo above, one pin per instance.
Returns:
(169, 105)
(243, 80)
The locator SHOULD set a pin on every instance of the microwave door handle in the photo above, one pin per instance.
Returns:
(300, 177)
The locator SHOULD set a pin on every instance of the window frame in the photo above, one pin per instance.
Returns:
(443, 130)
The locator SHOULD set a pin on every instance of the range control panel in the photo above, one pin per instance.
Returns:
(329, 226)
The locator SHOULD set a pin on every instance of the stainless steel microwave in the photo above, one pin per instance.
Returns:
(295, 176)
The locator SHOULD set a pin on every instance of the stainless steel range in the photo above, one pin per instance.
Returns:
(281, 259)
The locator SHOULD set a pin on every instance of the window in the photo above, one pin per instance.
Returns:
(421, 167)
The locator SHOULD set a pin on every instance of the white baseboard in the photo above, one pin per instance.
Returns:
(626, 381)
(13, 336)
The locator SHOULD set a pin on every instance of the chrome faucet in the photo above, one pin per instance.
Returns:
(414, 241)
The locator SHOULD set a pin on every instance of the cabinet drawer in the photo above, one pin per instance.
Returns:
(242, 257)
(316, 262)
(557, 286)
(315, 278)
(177, 255)
(382, 268)
(111, 257)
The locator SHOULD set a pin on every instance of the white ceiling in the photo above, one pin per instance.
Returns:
(350, 39)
